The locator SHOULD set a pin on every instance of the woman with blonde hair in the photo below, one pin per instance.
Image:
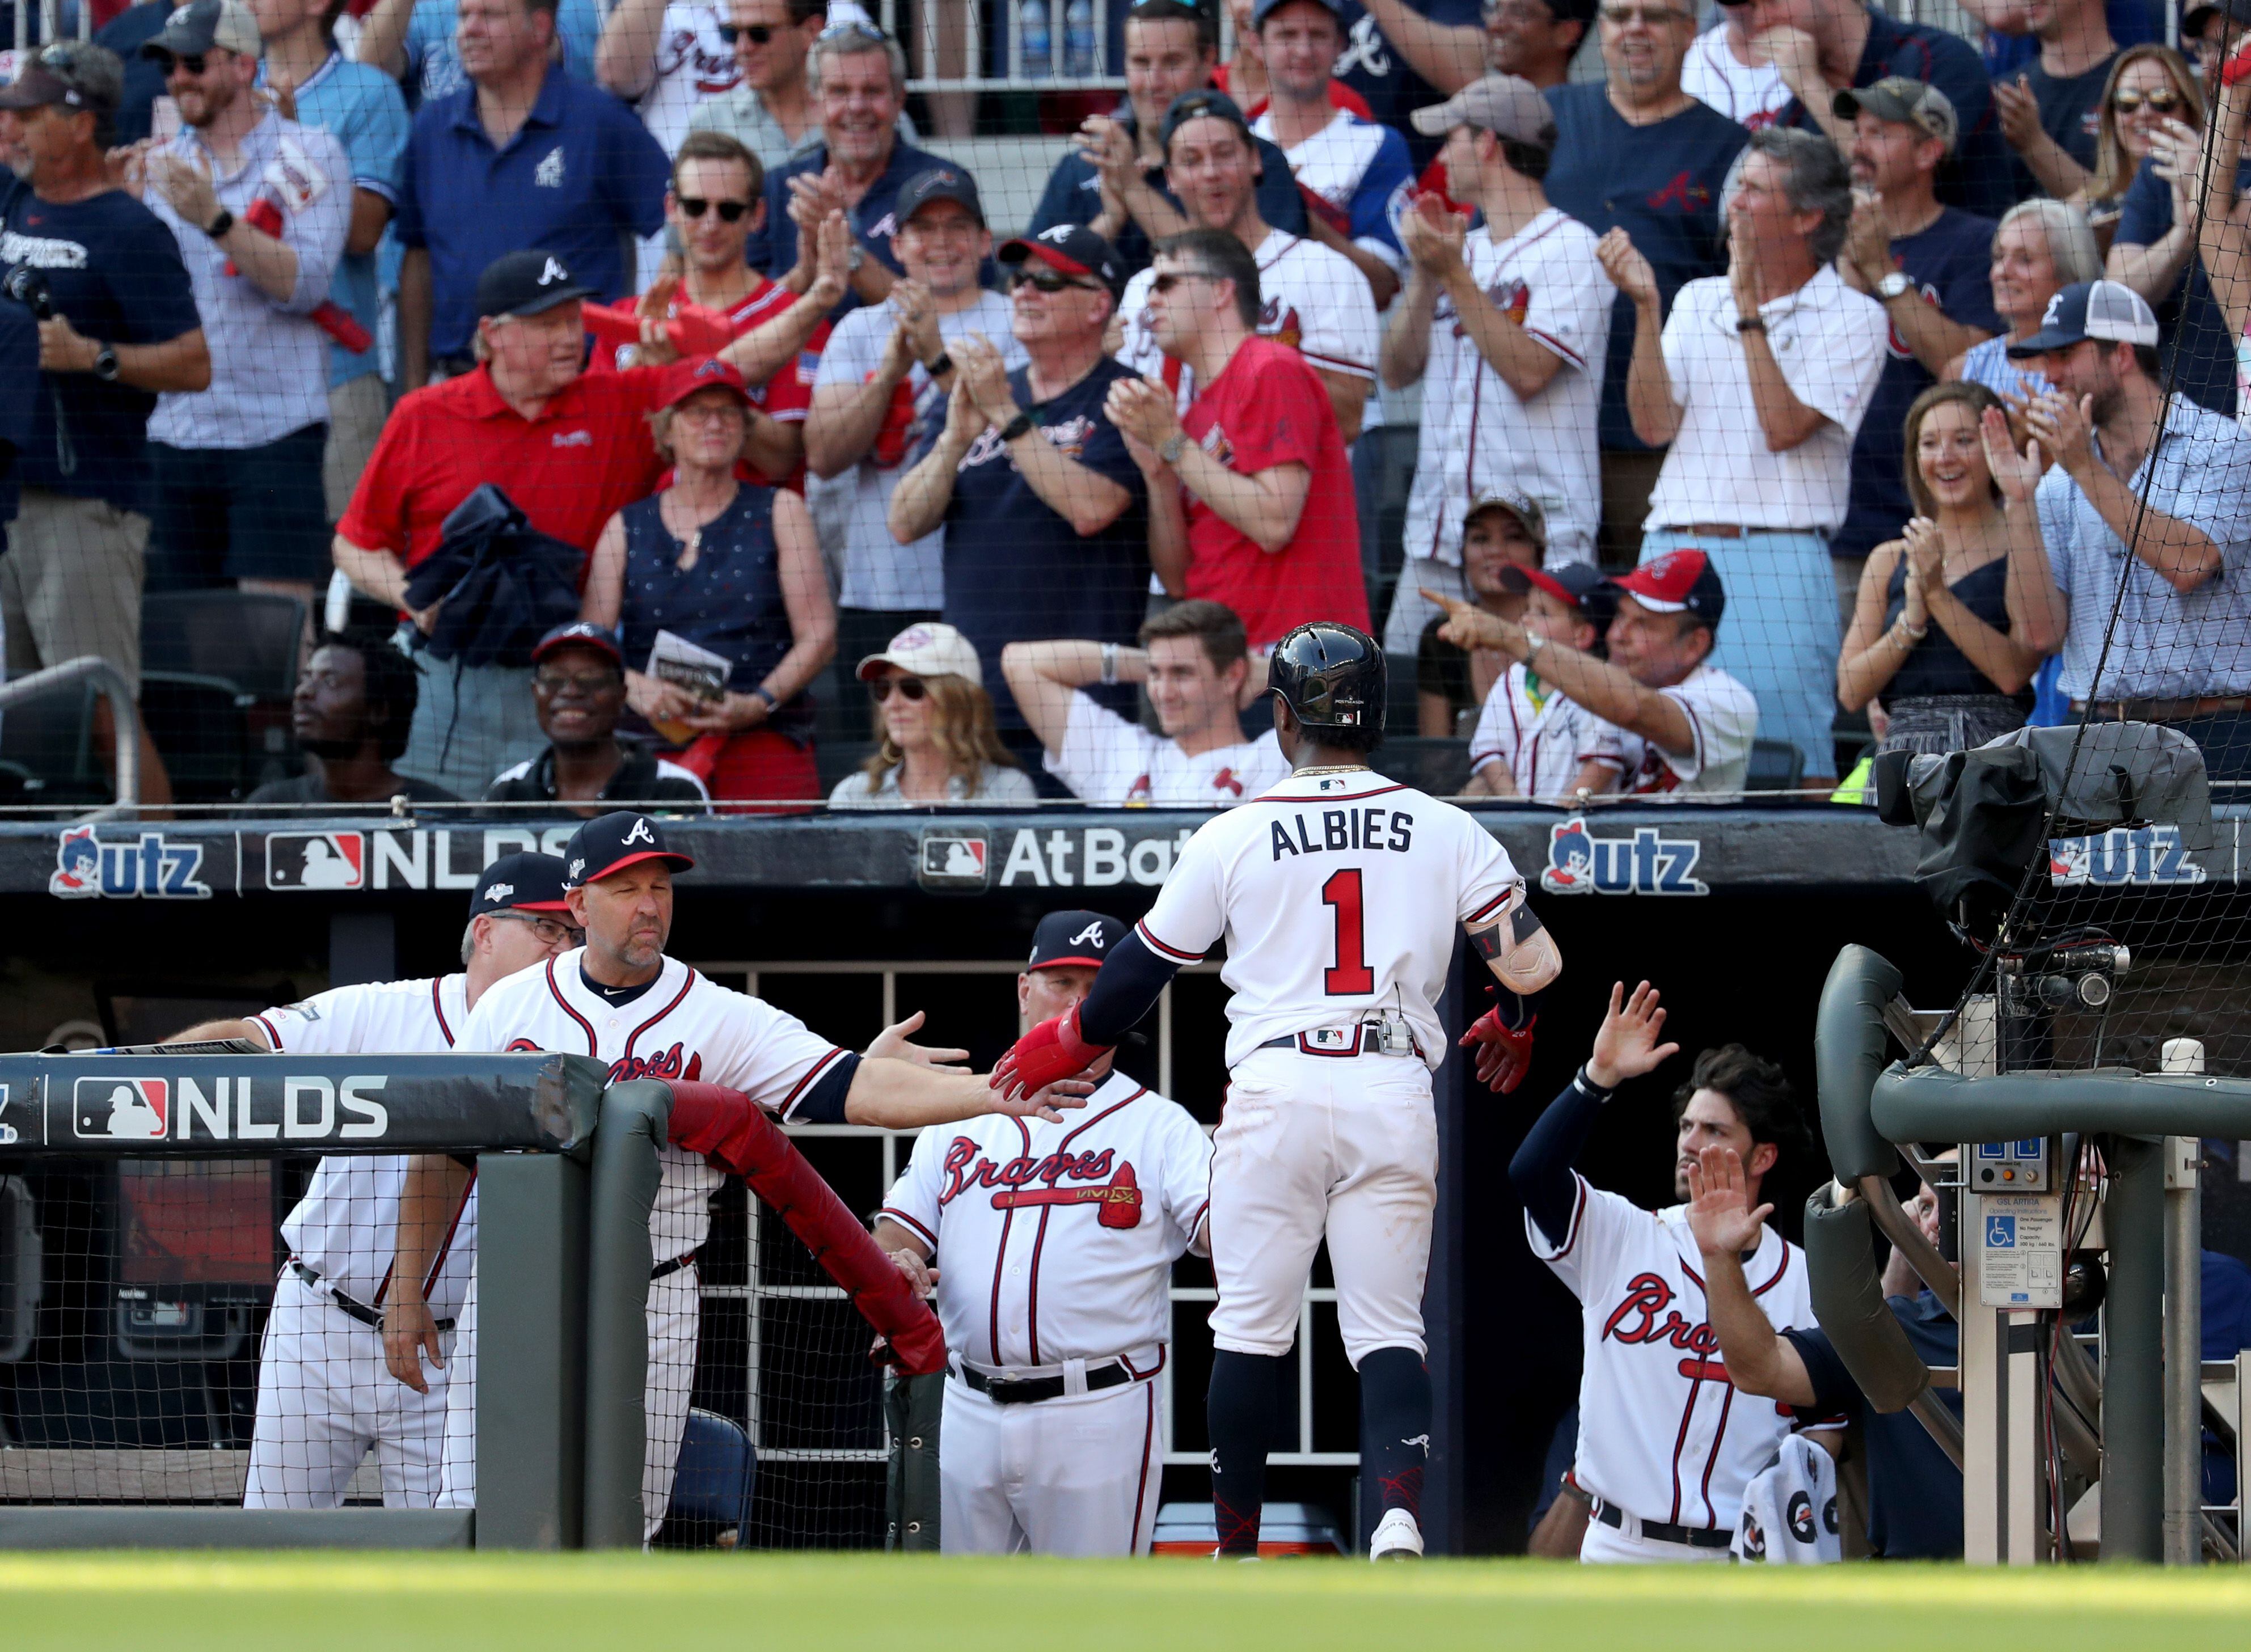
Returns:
(1934, 628)
(935, 738)
(2039, 248)
(2150, 84)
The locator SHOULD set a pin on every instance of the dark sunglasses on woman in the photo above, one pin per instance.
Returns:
(2163, 102)
(909, 688)
(757, 34)
(728, 212)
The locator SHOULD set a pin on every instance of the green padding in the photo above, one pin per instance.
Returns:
(1930, 1104)
(531, 1350)
(1848, 1301)
(913, 1407)
(636, 1123)
(1848, 1053)
(119, 1528)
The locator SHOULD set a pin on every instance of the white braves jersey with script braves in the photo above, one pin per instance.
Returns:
(1479, 437)
(1663, 1434)
(1541, 737)
(1055, 1242)
(683, 1026)
(346, 1226)
(1339, 895)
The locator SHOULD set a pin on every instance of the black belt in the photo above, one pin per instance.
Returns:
(1371, 1043)
(1695, 1537)
(663, 1269)
(1016, 1391)
(371, 1317)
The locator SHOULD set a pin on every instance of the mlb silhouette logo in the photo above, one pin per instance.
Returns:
(316, 861)
(953, 862)
(121, 1109)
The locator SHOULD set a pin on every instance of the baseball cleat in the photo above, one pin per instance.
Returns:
(1397, 1537)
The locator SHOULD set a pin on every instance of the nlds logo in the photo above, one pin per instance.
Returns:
(228, 1109)
(316, 861)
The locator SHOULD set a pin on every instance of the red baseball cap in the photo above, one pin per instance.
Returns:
(703, 373)
(1679, 582)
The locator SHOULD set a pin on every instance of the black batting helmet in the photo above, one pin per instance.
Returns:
(1330, 675)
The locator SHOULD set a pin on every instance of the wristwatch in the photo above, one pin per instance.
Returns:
(1895, 285)
(1020, 425)
(767, 694)
(1750, 324)
(938, 365)
(220, 225)
(105, 363)
(1173, 446)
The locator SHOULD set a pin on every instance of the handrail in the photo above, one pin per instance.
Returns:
(125, 716)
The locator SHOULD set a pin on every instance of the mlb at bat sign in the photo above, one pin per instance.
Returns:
(1047, 857)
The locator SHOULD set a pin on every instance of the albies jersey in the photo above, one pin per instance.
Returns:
(1339, 895)
(1055, 1242)
(1663, 1433)
(683, 1026)
(346, 1226)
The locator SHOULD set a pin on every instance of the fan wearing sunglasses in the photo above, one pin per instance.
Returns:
(934, 734)
(2152, 96)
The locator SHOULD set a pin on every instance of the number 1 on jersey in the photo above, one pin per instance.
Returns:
(1350, 976)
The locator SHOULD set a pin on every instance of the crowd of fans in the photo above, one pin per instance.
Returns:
(1880, 372)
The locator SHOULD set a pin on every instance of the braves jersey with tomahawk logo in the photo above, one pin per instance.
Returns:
(346, 1226)
(1663, 1434)
(1055, 1242)
(1340, 895)
(684, 1026)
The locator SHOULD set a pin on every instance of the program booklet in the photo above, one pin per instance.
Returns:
(695, 670)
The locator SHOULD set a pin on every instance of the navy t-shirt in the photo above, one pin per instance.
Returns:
(1950, 263)
(1981, 176)
(2199, 355)
(1661, 184)
(2131, 22)
(874, 221)
(1372, 66)
(1074, 196)
(2070, 105)
(1915, 1492)
(19, 393)
(114, 270)
(125, 34)
(1015, 571)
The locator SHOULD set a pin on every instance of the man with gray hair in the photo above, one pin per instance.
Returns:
(1759, 381)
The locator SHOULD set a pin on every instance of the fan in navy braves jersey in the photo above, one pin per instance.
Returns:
(1339, 895)
(1667, 1444)
(622, 1000)
(1052, 1246)
(323, 1397)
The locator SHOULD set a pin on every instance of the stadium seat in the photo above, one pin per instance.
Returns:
(1440, 767)
(1382, 471)
(46, 748)
(202, 730)
(1776, 765)
(714, 1477)
(253, 639)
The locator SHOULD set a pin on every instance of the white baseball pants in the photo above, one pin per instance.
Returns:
(1077, 1474)
(325, 1399)
(675, 1314)
(1314, 1145)
(1625, 1546)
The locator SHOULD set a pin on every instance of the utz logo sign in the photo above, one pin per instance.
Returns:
(1580, 863)
(124, 1109)
(149, 868)
(2123, 857)
(316, 861)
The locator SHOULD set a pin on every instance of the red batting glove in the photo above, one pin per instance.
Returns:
(1048, 1055)
(1504, 1053)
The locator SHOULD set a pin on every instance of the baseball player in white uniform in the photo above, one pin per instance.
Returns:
(1339, 894)
(324, 1399)
(619, 999)
(1667, 1444)
(1052, 1245)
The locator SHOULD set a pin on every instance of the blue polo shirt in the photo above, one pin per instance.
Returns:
(774, 249)
(1015, 571)
(1074, 196)
(1661, 184)
(1950, 263)
(1915, 1491)
(581, 174)
(1371, 66)
(1980, 176)
(2199, 362)
(19, 392)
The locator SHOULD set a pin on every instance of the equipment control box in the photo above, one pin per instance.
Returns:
(2009, 1167)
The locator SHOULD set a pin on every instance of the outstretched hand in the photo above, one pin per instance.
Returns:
(1720, 1213)
(1627, 1045)
(894, 1043)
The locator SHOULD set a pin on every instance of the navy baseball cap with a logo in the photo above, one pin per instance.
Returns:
(939, 184)
(523, 882)
(2110, 311)
(580, 633)
(613, 841)
(1679, 582)
(529, 283)
(1069, 249)
(1076, 937)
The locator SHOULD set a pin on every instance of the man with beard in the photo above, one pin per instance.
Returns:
(350, 715)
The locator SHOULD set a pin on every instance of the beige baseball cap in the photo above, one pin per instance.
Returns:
(1506, 104)
(1521, 505)
(928, 651)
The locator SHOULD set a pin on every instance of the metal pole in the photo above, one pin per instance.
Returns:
(2183, 1332)
(106, 679)
(2133, 1351)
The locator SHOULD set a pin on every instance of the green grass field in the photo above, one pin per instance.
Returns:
(633, 1603)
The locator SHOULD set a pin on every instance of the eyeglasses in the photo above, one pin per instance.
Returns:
(1048, 281)
(757, 34)
(730, 412)
(909, 689)
(730, 212)
(549, 930)
(584, 682)
(1168, 279)
(2163, 102)
(170, 65)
